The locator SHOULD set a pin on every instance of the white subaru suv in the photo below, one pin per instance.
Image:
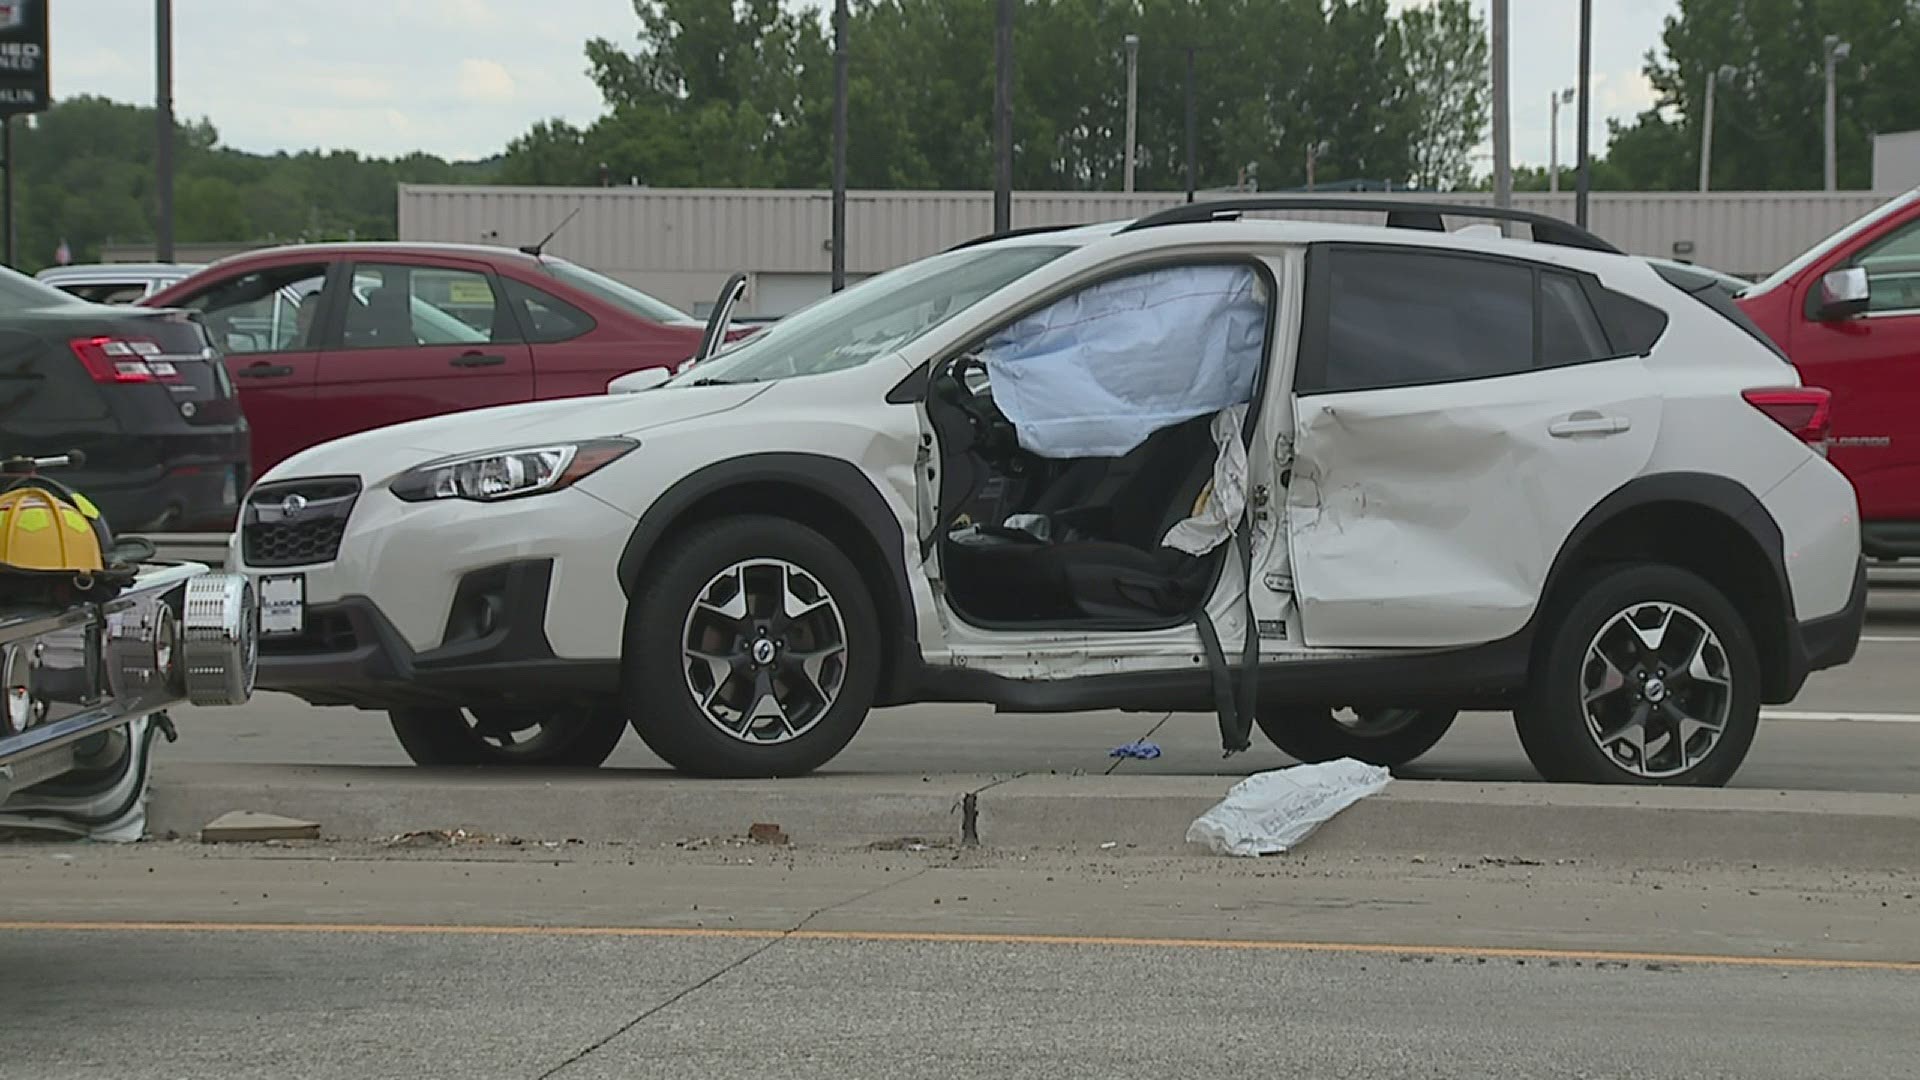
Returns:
(1338, 481)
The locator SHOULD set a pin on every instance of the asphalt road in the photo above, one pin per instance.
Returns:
(1855, 728)
(172, 960)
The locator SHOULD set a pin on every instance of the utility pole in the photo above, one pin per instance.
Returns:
(839, 145)
(1583, 186)
(1193, 126)
(1725, 71)
(1836, 51)
(1502, 120)
(163, 149)
(6, 150)
(1133, 101)
(1554, 101)
(1003, 119)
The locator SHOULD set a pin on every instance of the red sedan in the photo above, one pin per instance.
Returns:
(325, 340)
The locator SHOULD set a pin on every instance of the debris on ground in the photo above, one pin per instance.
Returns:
(1269, 813)
(1139, 748)
(764, 832)
(904, 843)
(248, 826)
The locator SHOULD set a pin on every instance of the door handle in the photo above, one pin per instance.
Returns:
(474, 359)
(264, 371)
(1588, 422)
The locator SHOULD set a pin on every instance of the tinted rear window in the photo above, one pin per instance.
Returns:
(1406, 318)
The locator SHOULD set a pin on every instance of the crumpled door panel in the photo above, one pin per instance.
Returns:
(1429, 516)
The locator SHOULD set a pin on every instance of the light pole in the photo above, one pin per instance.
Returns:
(1133, 99)
(1706, 123)
(1193, 126)
(163, 138)
(1836, 51)
(1502, 121)
(1583, 184)
(1554, 101)
(840, 15)
(1003, 118)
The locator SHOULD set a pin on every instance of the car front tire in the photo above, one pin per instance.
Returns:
(1390, 737)
(581, 737)
(1650, 677)
(752, 650)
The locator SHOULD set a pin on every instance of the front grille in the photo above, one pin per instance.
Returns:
(296, 523)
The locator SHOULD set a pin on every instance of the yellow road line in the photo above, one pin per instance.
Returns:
(961, 938)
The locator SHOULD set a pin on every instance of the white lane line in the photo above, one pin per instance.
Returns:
(1885, 639)
(1856, 717)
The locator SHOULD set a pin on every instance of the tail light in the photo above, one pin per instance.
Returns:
(123, 360)
(1804, 410)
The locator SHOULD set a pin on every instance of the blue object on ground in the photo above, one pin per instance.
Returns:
(1141, 749)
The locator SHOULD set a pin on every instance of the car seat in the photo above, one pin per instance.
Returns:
(387, 321)
(1103, 558)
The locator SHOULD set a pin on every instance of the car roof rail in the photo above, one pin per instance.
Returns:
(1400, 215)
(1031, 230)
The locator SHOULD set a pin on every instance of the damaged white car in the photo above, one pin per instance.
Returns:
(1338, 481)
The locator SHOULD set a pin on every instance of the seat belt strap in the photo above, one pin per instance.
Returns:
(1234, 705)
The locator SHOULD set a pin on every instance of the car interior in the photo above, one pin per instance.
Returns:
(1043, 529)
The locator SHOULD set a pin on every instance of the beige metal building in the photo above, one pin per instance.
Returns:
(680, 244)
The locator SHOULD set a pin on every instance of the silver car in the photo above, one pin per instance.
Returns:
(117, 283)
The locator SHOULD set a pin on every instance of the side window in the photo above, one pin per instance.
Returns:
(1397, 318)
(398, 307)
(1893, 271)
(121, 293)
(1570, 331)
(265, 311)
(546, 318)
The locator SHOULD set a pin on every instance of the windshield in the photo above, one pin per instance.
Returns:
(613, 292)
(1821, 249)
(18, 291)
(875, 317)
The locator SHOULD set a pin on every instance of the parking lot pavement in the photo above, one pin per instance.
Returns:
(175, 960)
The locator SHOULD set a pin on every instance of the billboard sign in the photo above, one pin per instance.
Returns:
(23, 57)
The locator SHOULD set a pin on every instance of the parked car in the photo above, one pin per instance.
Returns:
(116, 283)
(330, 339)
(1847, 312)
(1338, 481)
(140, 392)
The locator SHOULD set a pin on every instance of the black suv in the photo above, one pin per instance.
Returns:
(141, 392)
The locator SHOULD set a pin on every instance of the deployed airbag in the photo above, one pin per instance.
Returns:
(1095, 374)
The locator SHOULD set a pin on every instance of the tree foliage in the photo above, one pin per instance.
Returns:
(725, 93)
(86, 176)
(1769, 118)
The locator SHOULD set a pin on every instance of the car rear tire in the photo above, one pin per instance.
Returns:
(752, 650)
(1650, 677)
(576, 738)
(1390, 737)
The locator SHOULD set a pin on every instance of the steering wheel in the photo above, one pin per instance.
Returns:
(994, 436)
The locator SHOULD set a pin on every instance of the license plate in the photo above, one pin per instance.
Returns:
(283, 604)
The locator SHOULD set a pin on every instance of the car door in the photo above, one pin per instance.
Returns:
(415, 338)
(264, 320)
(1455, 417)
(1870, 363)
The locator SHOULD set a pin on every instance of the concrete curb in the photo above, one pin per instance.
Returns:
(1437, 819)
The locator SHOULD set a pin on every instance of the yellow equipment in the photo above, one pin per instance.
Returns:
(52, 537)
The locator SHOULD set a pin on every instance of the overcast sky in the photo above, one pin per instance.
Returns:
(459, 78)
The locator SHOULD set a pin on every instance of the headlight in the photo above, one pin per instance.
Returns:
(509, 474)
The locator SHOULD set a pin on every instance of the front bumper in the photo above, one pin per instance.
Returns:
(494, 651)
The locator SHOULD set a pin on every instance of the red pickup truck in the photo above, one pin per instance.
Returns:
(1847, 312)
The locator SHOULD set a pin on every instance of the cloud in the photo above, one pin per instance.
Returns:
(485, 82)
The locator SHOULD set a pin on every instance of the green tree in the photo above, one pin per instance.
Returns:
(1768, 111)
(1447, 74)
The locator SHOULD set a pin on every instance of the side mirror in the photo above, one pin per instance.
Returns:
(634, 382)
(722, 316)
(1843, 294)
